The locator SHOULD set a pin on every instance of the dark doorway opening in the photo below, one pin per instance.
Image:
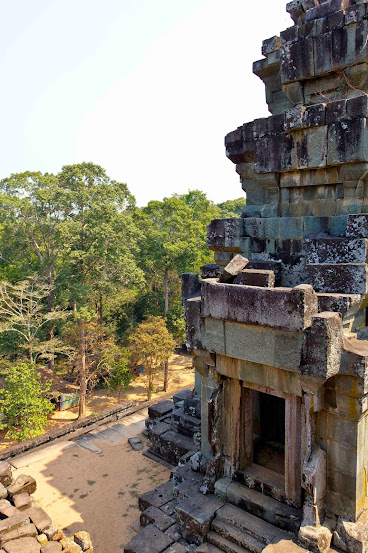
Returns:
(269, 432)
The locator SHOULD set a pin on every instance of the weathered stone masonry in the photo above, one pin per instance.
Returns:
(281, 344)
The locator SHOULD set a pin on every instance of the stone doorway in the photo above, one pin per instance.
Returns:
(269, 432)
(270, 443)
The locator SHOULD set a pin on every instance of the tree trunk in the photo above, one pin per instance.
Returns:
(50, 308)
(82, 356)
(100, 316)
(166, 367)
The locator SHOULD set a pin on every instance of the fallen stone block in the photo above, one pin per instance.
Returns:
(194, 517)
(160, 409)
(136, 443)
(53, 533)
(40, 519)
(13, 523)
(7, 510)
(23, 484)
(256, 277)
(26, 531)
(22, 501)
(70, 546)
(23, 545)
(42, 539)
(149, 540)
(232, 269)
(83, 539)
(155, 516)
(5, 473)
(3, 492)
(51, 547)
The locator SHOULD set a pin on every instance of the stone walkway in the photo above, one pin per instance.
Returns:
(93, 481)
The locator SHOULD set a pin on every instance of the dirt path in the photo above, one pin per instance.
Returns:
(93, 482)
(181, 374)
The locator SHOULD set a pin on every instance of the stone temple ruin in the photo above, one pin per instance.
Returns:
(278, 328)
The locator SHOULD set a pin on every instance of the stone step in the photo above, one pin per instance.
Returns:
(207, 548)
(223, 544)
(265, 507)
(233, 517)
(223, 533)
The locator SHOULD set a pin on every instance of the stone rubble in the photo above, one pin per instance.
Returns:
(25, 527)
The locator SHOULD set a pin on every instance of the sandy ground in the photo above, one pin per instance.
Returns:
(181, 375)
(93, 482)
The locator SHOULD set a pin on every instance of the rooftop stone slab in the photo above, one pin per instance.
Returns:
(280, 308)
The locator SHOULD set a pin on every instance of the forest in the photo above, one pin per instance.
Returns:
(90, 282)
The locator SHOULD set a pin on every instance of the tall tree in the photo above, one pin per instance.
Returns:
(102, 238)
(174, 239)
(34, 224)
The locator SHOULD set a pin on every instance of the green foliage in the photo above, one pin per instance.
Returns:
(119, 375)
(151, 345)
(23, 402)
(231, 208)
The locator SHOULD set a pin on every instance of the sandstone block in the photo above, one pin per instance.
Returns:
(155, 516)
(13, 523)
(5, 473)
(83, 539)
(159, 496)
(194, 517)
(39, 518)
(22, 501)
(26, 531)
(262, 345)
(344, 278)
(323, 347)
(23, 484)
(176, 548)
(281, 308)
(51, 547)
(225, 234)
(3, 492)
(149, 540)
(232, 269)
(69, 545)
(337, 250)
(160, 409)
(22, 545)
(211, 270)
(190, 285)
(357, 226)
(254, 277)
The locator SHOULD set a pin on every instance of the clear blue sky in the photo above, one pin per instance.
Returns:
(146, 88)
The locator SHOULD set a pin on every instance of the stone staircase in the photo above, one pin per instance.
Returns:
(260, 505)
(233, 530)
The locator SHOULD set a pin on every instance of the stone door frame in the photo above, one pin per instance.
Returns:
(293, 430)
